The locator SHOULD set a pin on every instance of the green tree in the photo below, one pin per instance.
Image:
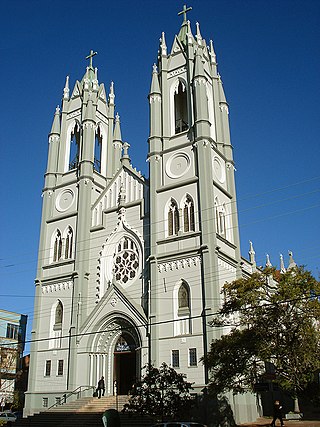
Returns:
(273, 320)
(162, 393)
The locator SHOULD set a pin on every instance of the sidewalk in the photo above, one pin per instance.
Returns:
(265, 422)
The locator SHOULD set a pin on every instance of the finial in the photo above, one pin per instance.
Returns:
(282, 267)
(163, 45)
(198, 35)
(212, 53)
(252, 255)
(66, 90)
(125, 159)
(184, 12)
(111, 94)
(268, 262)
(90, 56)
(154, 68)
(57, 110)
(292, 263)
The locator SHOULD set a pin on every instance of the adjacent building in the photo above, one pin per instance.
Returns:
(12, 342)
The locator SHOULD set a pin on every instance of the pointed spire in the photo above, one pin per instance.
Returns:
(66, 90)
(155, 86)
(117, 130)
(111, 94)
(252, 254)
(292, 263)
(163, 45)
(198, 34)
(55, 129)
(268, 262)
(213, 57)
(282, 267)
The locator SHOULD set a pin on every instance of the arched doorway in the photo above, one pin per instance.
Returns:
(125, 363)
(115, 354)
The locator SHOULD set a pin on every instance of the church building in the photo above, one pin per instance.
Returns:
(130, 269)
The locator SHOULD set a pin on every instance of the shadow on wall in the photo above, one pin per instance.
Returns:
(214, 411)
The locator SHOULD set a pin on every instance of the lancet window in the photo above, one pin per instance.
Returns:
(74, 147)
(58, 316)
(68, 244)
(221, 222)
(181, 108)
(97, 151)
(188, 214)
(57, 248)
(173, 218)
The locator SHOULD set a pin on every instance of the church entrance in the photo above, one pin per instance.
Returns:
(125, 363)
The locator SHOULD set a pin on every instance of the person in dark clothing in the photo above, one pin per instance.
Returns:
(277, 414)
(101, 387)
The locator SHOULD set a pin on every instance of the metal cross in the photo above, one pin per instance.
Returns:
(92, 54)
(184, 12)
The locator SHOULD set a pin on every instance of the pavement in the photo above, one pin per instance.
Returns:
(265, 422)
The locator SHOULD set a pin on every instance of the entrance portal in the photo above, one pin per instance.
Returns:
(125, 363)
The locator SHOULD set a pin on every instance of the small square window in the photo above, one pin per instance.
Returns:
(47, 372)
(175, 359)
(193, 357)
(60, 367)
(45, 402)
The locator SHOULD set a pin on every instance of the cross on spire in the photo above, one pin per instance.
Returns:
(92, 54)
(184, 12)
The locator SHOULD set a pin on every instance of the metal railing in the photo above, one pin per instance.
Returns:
(78, 392)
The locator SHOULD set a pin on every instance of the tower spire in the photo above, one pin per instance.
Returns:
(252, 255)
(184, 26)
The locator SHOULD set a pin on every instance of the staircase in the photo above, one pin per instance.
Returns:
(84, 412)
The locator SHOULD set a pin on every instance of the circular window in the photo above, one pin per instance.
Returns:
(126, 261)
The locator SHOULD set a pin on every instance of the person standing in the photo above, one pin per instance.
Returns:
(101, 387)
(277, 413)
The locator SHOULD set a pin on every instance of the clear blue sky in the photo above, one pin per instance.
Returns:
(269, 59)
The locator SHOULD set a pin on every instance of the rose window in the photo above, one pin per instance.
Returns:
(126, 261)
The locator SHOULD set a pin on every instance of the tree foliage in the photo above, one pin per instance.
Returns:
(161, 393)
(273, 321)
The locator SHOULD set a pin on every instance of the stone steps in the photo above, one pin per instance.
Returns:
(84, 412)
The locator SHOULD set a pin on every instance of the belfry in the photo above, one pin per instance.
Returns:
(130, 269)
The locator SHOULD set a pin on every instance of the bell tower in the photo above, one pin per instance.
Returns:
(194, 236)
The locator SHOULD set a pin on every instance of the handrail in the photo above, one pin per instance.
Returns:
(77, 391)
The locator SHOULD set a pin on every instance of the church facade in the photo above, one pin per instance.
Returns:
(130, 269)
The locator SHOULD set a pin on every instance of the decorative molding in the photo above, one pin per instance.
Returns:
(177, 72)
(154, 98)
(89, 125)
(101, 117)
(53, 138)
(226, 265)
(54, 287)
(199, 81)
(74, 114)
(224, 107)
(179, 264)
(113, 301)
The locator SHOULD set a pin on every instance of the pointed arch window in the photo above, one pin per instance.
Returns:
(183, 299)
(69, 243)
(58, 316)
(220, 214)
(181, 108)
(97, 151)
(173, 218)
(57, 248)
(188, 214)
(74, 147)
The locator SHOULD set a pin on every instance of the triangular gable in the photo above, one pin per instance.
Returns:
(112, 302)
(76, 90)
(126, 180)
(177, 47)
